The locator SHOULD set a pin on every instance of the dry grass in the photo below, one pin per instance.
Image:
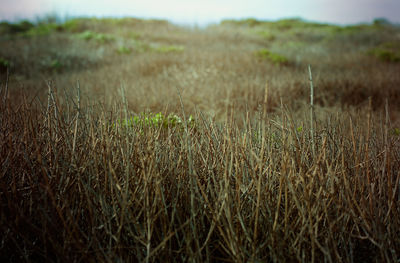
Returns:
(242, 184)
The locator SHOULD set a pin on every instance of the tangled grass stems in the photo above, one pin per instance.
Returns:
(81, 191)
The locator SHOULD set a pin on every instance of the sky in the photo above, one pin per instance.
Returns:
(202, 12)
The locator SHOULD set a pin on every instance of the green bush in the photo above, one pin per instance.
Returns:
(352, 30)
(24, 25)
(144, 120)
(387, 52)
(124, 50)
(386, 55)
(396, 131)
(286, 24)
(26, 28)
(87, 35)
(98, 37)
(12, 29)
(42, 30)
(56, 64)
(74, 25)
(274, 58)
(51, 65)
(294, 23)
(380, 22)
(4, 63)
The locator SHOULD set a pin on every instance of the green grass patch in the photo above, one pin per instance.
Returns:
(381, 22)
(396, 131)
(52, 65)
(55, 64)
(4, 63)
(387, 52)
(42, 30)
(296, 23)
(352, 30)
(76, 25)
(28, 29)
(148, 119)
(97, 37)
(124, 50)
(272, 57)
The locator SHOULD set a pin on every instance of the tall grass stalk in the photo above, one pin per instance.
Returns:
(312, 113)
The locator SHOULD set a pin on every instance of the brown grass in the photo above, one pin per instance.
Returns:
(241, 184)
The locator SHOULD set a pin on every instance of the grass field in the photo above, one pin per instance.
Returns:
(128, 140)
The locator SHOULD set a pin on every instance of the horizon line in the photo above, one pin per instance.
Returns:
(183, 22)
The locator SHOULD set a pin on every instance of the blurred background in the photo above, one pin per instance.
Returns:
(201, 13)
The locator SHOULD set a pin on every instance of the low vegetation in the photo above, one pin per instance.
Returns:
(157, 120)
(128, 140)
(98, 37)
(272, 57)
(387, 52)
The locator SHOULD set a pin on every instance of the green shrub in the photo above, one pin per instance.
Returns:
(294, 23)
(274, 58)
(50, 64)
(386, 55)
(387, 52)
(396, 131)
(55, 64)
(87, 35)
(25, 25)
(103, 38)
(5, 28)
(98, 37)
(12, 29)
(285, 24)
(124, 50)
(144, 120)
(74, 25)
(352, 30)
(42, 30)
(380, 22)
(4, 63)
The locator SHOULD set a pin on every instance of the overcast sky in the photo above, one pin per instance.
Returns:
(208, 11)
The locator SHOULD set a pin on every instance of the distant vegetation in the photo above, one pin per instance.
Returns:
(387, 51)
(129, 140)
(272, 57)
